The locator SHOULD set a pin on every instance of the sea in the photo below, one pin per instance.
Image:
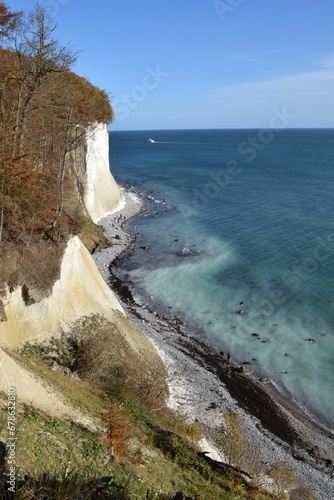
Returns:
(238, 243)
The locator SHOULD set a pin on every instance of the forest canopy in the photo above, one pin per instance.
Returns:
(45, 110)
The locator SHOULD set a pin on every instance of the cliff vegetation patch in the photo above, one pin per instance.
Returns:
(99, 351)
(45, 110)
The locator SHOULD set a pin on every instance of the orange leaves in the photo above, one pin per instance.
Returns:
(24, 199)
(118, 431)
(90, 104)
(8, 20)
(38, 128)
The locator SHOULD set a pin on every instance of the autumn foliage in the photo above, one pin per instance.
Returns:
(118, 431)
(44, 112)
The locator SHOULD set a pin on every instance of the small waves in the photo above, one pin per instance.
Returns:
(263, 239)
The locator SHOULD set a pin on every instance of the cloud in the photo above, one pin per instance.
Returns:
(325, 60)
(309, 96)
(328, 61)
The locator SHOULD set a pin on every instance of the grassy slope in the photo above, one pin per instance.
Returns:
(161, 454)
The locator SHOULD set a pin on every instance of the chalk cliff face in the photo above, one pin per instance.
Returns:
(80, 291)
(102, 194)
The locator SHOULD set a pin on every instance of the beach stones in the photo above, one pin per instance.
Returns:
(239, 369)
(212, 406)
(187, 252)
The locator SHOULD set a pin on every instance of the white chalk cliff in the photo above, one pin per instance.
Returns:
(80, 291)
(102, 194)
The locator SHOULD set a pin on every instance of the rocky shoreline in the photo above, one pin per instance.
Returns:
(203, 382)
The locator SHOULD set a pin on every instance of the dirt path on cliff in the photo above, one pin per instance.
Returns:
(34, 391)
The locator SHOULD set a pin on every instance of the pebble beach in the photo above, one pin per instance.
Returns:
(203, 381)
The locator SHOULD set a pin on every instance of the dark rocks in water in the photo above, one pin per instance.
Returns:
(310, 341)
(247, 363)
(286, 354)
(240, 303)
(255, 335)
(144, 247)
(186, 252)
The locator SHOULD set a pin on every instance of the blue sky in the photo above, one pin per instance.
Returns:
(204, 63)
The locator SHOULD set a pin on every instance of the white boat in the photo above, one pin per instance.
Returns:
(150, 140)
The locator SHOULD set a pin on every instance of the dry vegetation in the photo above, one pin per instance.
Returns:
(45, 110)
(108, 355)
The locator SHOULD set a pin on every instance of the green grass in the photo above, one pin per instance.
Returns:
(61, 459)
(159, 451)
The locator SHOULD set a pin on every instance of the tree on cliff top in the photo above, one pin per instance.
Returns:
(44, 110)
(38, 56)
(8, 21)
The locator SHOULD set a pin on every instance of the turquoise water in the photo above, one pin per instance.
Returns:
(251, 213)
